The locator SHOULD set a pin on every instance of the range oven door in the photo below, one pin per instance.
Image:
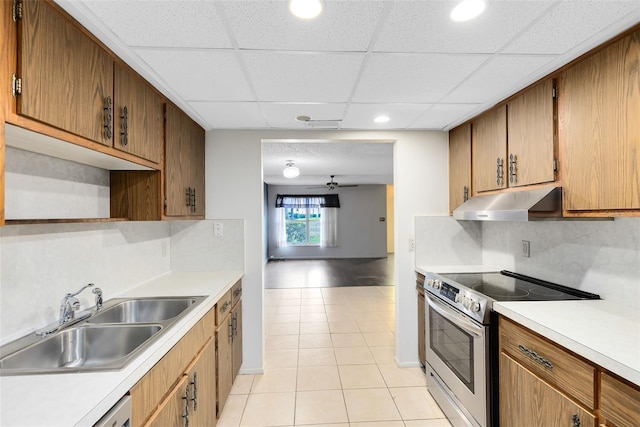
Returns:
(457, 352)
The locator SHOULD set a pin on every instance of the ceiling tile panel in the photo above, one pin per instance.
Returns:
(570, 23)
(342, 26)
(198, 75)
(283, 115)
(360, 116)
(499, 78)
(440, 116)
(230, 115)
(424, 26)
(302, 76)
(168, 23)
(422, 78)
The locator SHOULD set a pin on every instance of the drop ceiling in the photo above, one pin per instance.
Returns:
(252, 65)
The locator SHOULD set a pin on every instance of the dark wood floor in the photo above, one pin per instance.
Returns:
(327, 273)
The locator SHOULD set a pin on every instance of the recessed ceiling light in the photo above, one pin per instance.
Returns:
(381, 119)
(467, 10)
(305, 9)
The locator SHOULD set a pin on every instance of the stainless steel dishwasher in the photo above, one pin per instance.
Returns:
(118, 416)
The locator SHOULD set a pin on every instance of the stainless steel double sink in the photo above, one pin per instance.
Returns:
(107, 340)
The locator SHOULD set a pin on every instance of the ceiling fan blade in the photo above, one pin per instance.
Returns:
(347, 185)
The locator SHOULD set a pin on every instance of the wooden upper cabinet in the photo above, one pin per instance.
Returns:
(66, 76)
(489, 150)
(459, 166)
(138, 116)
(184, 165)
(531, 144)
(599, 129)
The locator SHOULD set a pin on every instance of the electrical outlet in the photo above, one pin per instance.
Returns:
(412, 244)
(526, 248)
(218, 229)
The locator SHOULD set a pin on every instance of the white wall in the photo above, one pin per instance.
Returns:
(194, 247)
(441, 240)
(234, 191)
(361, 234)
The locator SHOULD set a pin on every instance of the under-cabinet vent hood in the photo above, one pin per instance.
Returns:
(525, 205)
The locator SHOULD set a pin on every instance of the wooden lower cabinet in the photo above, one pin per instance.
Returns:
(236, 339)
(619, 402)
(192, 402)
(526, 400)
(224, 361)
(153, 394)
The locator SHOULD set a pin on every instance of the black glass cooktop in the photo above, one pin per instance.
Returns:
(509, 286)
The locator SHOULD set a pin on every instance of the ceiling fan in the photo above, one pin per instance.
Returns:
(332, 185)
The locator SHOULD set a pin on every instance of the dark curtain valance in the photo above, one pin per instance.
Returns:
(307, 201)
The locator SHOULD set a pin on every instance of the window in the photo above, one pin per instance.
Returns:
(307, 220)
(303, 226)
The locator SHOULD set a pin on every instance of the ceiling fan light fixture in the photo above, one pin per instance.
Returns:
(290, 170)
(467, 10)
(305, 9)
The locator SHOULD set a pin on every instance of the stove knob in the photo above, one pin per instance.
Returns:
(437, 284)
(430, 282)
(459, 298)
(475, 306)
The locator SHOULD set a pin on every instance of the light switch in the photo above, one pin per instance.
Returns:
(218, 229)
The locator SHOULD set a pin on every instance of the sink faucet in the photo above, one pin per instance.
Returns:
(69, 305)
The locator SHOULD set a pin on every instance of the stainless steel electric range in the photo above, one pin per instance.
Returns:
(461, 337)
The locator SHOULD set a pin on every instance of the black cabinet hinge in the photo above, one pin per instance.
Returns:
(17, 10)
(555, 93)
(555, 165)
(16, 86)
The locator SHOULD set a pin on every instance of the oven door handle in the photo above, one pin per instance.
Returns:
(445, 312)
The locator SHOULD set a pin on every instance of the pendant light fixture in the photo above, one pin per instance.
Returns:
(290, 170)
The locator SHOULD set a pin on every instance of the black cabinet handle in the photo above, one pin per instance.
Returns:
(108, 111)
(125, 125)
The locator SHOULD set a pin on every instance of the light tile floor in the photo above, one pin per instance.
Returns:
(329, 361)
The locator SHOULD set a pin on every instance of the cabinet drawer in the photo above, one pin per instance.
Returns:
(236, 293)
(619, 402)
(552, 363)
(223, 307)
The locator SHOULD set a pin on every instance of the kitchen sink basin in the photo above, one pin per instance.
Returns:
(81, 348)
(144, 310)
(107, 340)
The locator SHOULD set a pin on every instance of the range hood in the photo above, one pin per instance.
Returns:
(525, 205)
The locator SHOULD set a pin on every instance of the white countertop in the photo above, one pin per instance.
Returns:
(600, 331)
(442, 269)
(82, 399)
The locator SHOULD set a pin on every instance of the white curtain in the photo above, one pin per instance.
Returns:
(281, 228)
(328, 227)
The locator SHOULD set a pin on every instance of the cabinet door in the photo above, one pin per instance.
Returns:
(527, 400)
(459, 166)
(224, 362)
(184, 165)
(175, 410)
(599, 129)
(531, 137)
(619, 402)
(202, 379)
(489, 150)
(66, 76)
(236, 317)
(137, 115)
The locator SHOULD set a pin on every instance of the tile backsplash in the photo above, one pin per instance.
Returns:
(596, 256)
(39, 264)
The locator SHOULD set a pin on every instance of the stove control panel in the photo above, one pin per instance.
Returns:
(463, 299)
